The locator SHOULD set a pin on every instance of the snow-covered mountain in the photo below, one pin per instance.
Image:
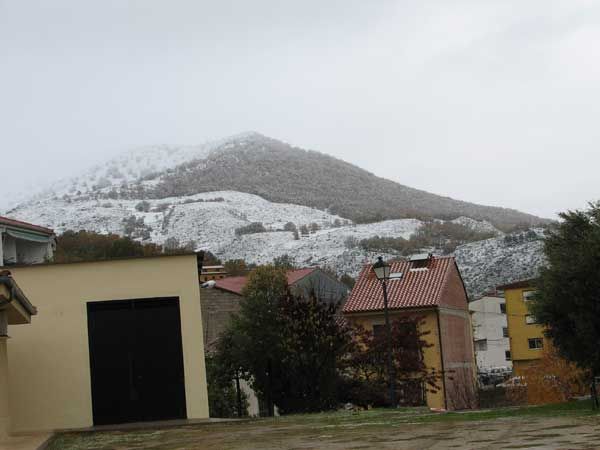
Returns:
(122, 196)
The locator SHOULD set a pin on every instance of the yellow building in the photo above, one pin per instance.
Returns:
(432, 290)
(527, 339)
(113, 341)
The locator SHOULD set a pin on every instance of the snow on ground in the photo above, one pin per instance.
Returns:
(481, 226)
(492, 262)
(210, 220)
(211, 224)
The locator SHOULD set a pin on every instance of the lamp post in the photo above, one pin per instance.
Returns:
(382, 272)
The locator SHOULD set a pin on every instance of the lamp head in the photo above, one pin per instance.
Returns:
(381, 269)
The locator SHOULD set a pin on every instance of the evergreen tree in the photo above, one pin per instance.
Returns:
(290, 226)
(287, 347)
(284, 262)
(567, 301)
(257, 332)
(236, 267)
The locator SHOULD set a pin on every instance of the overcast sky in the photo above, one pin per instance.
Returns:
(494, 102)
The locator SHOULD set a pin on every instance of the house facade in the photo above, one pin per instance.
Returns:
(527, 340)
(490, 332)
(433, 291)
(24, 243)
(114, 341)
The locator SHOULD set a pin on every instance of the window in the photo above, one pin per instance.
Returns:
(530, 319)
(503, 308)
(535, 343)
(481, 345)
(507, 355)
(505, 331)
(528, 295)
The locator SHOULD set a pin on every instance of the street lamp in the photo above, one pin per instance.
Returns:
(382, 272)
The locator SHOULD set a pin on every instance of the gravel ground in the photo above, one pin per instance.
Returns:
(378, 429)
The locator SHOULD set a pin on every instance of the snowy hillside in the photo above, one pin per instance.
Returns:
(210, 221)
(492, 262)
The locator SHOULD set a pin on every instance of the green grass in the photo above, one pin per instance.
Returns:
(423, 415)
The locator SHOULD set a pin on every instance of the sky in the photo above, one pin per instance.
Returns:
(493, 102)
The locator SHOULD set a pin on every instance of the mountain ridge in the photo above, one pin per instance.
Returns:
(279, 172)
(152, 195)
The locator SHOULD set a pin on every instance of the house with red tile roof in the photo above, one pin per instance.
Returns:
(24, 243)
(221, 298)
(432, 290)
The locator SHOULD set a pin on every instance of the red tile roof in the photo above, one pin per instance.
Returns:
(25, 225)
(236, 284)
(417, 288)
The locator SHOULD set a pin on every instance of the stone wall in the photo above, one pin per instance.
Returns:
(217, 308)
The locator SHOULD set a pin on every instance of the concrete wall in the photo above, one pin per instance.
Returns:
(217, 308)
(488, 324)
(49, 370)
(457, 344)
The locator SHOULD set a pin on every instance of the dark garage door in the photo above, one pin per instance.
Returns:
(136, 360)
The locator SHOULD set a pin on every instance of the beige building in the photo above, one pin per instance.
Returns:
(15, 309)
(114, 341)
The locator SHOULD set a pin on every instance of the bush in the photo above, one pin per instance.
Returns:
(161, 207)
(143, 206)
(171, 243)
(351, 242)
(74, 246)
(222, 391)
(445, 236)
(252, 228)
(290, 226)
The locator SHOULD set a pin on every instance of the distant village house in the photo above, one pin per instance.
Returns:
(490, 329)
(431, 289)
